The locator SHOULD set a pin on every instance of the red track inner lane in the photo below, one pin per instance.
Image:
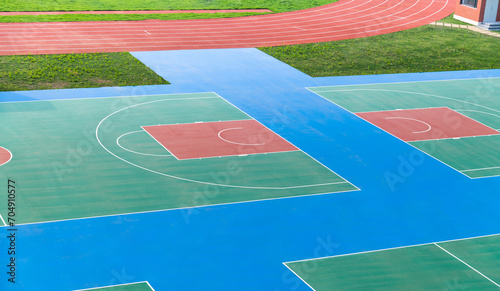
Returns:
(341, 20)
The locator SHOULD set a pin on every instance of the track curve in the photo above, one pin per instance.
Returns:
(341, 20)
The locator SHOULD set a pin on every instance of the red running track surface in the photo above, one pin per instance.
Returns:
(341, 20)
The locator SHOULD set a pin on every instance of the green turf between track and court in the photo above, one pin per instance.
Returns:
(94, 5)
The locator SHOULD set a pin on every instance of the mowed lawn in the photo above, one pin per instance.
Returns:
(94, 5)
(424, 49)
(36, 72)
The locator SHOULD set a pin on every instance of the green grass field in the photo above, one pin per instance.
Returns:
(423, 49)
(94, 5)
(74, 71)
(120, 17)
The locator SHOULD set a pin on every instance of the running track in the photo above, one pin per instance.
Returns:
(341, 20)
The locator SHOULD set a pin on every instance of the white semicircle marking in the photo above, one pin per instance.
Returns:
(238, 143)
(407, 118)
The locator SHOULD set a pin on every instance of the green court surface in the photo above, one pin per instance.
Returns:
(90, 157)
(142, 286)
(475, 156)
(471, 264)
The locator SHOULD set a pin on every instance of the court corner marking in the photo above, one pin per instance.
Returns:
(285, 264)
(110, 286)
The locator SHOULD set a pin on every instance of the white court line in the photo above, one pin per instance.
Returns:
(190, 207)
(5, 224)
(228, 141)
(150, 286)
(479, 169)
(396, 82)
(395, 248)
(467, 264)
(468, 110)
(112, 97)
(407, 118)
(109, 286)
(406, 92)
(139, 153)
(299, 277)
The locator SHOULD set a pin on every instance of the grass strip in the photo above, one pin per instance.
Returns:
(34, 72)
(120, 17)
(94, 5)
(424, 49)
(450, 19)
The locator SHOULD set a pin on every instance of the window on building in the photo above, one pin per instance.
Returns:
(471, 3)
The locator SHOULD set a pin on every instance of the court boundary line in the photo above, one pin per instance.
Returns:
(110, 286)
(304, 281)
(395, 248)
(5, 224)
(480, 169)
(104, 97)
(185, 208)
(405, 82)
(466, 264)
(425, 94)
(289, 142)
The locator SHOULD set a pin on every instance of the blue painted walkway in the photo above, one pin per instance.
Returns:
(242, 246)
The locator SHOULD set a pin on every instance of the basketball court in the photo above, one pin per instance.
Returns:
(246, 174)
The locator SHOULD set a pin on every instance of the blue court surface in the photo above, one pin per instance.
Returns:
(401, 196)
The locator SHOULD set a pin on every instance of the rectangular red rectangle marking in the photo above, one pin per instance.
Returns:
(216, 139)
(427, 124)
